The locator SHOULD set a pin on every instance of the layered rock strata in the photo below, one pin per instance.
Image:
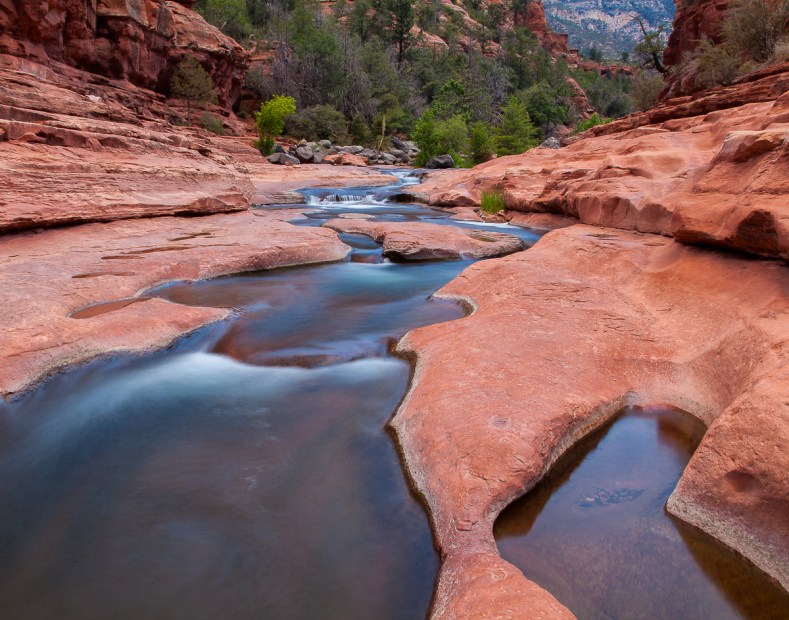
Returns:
(561, 337)
(136, 40)
(49, 276)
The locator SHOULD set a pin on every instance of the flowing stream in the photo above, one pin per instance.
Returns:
(246, 471)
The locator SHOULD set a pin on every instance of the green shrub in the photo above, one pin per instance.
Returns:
(716, 64)
(270, 121)
(492, 202)
(437, 137)
(592, 121)
(211, 123)
(359, 132)
(480, 144)
(516, 133)
(647, 85)
(753, 28)
(320, 122)
(264, 145)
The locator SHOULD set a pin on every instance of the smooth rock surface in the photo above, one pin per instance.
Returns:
(561, 338)
(47, 276)
(421, 241)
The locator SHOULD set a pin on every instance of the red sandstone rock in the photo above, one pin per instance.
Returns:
(345, 159)
(73, 156)
(718, 179)
(136, 40)
(562, 337)
(694, 21)
(47, 276)
(421, 241)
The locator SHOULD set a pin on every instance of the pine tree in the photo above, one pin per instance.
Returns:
(193, 84)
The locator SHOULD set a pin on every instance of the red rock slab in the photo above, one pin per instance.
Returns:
(718, 179)
(45, 186)
(563, 336)
(420, 241)
(45, 277)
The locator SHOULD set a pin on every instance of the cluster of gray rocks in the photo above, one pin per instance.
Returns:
(401, 152)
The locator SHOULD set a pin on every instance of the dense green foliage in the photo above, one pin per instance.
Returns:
(592, 121)
(270, 120)
(193, 84)
(360, 73)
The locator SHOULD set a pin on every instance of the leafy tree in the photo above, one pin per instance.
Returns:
(594, 54)
(480, 143)
(230, 16)
(516, 133)
(649, 51)
(436, 136)
(401, 20)
(193, 84)
(451, 101)
(270, 120)
(545, 106)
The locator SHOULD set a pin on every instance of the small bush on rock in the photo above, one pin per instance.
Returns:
(211, 123)
(492, 202)
(592, 121)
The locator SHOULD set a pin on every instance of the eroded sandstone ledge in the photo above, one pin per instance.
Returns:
(45, 277)
(562, 337)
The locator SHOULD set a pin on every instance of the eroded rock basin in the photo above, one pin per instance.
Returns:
(595, 532)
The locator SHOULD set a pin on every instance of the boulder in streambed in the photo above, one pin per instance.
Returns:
(440, 162)
(283, 159)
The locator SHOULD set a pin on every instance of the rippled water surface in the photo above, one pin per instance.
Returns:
(595, 532)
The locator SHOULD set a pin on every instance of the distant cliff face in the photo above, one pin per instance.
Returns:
(607, 25)
(136, 40)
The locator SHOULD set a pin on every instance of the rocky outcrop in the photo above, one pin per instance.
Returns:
(693, 22)
(136, 40)
(562, 336)
(715, 179)
(74, 156)
(414, 241)
(48, 276)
